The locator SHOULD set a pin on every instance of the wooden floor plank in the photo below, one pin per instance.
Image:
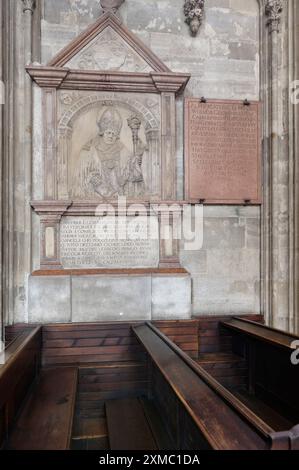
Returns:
(90, 428)
(45, 422)
(127, 426)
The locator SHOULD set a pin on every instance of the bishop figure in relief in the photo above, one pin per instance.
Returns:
(106, 167)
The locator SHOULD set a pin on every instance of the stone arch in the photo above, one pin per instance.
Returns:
(86, 103)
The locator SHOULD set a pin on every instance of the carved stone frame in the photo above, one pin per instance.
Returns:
(55, 76)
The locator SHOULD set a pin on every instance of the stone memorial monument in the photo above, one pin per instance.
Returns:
(103, 120)
(109, 132)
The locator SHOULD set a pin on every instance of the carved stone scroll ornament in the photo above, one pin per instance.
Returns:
(194, 10)
(111, 5)
(29, 5)
(273, 11)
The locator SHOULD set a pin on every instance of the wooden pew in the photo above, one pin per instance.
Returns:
(19, 369)
(36, 408)
(150, 381)
(273, 381)
(198, 411)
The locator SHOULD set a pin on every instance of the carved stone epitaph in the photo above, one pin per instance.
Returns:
(83, 244)
(109, 130)
(222, 151)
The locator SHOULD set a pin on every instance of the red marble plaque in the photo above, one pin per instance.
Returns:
(222, 152)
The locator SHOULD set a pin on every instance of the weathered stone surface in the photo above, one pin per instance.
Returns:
(226, 271)
(49, 299)
(99, 298)
(171, 297)
(219, 296)
(109, 51)
(108, 298)
(229, 34)
(224, 62)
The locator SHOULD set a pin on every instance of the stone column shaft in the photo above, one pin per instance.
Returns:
(2, 91)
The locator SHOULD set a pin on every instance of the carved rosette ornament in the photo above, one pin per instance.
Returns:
(111, 5)
(29, 5)
(194, 10)
(273, 11)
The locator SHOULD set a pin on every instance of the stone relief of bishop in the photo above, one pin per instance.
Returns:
(106, 166)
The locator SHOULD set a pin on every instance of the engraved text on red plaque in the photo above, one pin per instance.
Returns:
(222, 151)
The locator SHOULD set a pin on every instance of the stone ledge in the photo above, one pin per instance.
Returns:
(110, 272)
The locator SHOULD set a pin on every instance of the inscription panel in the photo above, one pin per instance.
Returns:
(108, 242)
(223, 151)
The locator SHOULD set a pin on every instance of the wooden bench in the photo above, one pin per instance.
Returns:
(18, 370)
(197, 409)
(128, 427)
(46, 420)
(272, 378)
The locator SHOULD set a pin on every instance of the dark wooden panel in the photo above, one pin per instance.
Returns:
(96, 359)
(46, 421)
(184, 333)
(86, 334)
(98, 343)
(104, 350)
(128, 427)
(273, 379)
(88, 342)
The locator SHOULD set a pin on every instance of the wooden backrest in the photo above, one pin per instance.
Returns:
(89, 343)
(272, 376)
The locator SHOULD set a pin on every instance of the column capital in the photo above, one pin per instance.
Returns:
(273, 10)
(29, 5)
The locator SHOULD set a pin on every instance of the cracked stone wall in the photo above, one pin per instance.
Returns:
(224, 62)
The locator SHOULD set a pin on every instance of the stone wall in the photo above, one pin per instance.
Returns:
(224, 62)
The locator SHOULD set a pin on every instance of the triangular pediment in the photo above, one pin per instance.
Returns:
(108, 45)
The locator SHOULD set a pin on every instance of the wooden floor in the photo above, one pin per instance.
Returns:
(125, 424)
(90, 430)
